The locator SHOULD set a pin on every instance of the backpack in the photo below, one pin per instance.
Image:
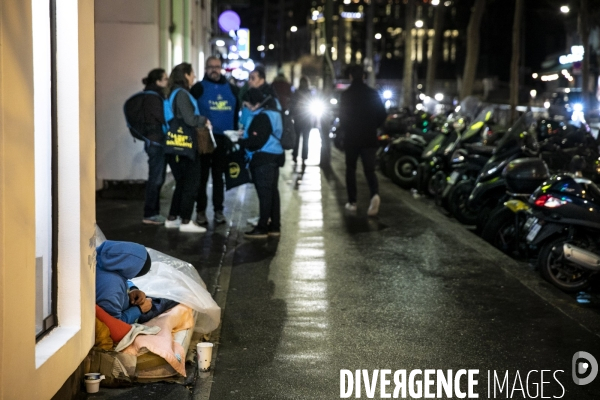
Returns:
(135, 118)
(288, 136)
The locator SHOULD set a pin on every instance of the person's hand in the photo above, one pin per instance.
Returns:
(146, 305)
(137, 297)
(208, 124)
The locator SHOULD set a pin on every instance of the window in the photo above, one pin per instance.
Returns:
(45, 138)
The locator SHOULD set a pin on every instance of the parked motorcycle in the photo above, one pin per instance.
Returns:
(405, 154)
(507, 226)
(472, 202)
(566, 226)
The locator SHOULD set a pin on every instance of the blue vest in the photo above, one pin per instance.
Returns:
(273, 144)
(217, 103)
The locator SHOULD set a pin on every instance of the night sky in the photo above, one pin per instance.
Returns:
(544, 32)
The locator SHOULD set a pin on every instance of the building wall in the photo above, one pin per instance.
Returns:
(132, 38)
(30, 370)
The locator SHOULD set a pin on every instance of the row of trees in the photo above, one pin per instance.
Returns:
(588, 12)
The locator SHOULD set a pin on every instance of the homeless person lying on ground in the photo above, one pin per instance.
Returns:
(116, 264)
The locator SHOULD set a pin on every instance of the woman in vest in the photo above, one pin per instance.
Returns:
(156, 81)
(263, 128)
(186, 170)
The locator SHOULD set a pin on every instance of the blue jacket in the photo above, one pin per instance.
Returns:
(116, 263)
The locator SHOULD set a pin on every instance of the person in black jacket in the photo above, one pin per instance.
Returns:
(261, 139)
(361, 113)
(156, 81)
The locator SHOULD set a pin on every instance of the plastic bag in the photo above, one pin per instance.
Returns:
(177, 280)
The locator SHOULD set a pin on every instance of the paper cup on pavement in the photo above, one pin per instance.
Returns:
(204, 350)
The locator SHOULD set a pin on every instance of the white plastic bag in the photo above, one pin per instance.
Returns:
(177, 280)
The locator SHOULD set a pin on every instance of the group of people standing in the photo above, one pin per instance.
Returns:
(216, 104)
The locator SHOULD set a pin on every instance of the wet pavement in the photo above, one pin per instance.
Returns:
(411, 289)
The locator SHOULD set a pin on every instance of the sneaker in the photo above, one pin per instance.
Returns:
(374, 206)
(172, 224)
(351, 207)
(219, 217)
(201, 218)
(256, 234)
(191, 227)
(253, 221)
(154, 220)
(274, 232)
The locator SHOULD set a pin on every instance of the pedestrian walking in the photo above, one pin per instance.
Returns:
(261, 139)
(300, 110)
(283, 89)
(186, 170)
(156, 81)
(361, 112)
(218, 101)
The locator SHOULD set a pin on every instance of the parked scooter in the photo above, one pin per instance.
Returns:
(566, 226)
(506, 228)
(405, 154)
(472, 202)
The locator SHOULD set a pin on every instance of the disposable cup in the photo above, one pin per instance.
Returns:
(92, 385)
(204, 350)
(93, 376)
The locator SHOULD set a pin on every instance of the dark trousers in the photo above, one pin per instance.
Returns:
(157, 167)
(216, 162)
(187, 179)
(302, 132)
(367, 156)
(265, 179)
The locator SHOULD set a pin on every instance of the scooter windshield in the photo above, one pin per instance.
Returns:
(483, 117)
(468, 107)
(516, 135)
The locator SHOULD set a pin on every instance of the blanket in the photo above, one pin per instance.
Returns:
(162, 344)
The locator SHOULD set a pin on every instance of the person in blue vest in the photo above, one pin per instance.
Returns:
(186, 170)
(218, 101)
(261, 139)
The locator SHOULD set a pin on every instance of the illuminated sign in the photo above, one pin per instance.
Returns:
(243, 43)
(576, 55)
(351, 15)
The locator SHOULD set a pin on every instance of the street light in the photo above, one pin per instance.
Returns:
(294, 28)
(260, 48)
(220, 43)
(419, 23)
(534, 75)
(565, 9)
(435, 2)
(378, 36)
(271, 46)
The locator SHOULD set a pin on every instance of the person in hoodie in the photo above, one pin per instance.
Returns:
(218, 101)
(262, 141)
(156, 81)
(116, 264)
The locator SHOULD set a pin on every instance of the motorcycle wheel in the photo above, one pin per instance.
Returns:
(458, 203)
(483, 216)
(501, 232)
(403, 171)
(563, 274)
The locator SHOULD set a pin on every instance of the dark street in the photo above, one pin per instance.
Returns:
(411, 289)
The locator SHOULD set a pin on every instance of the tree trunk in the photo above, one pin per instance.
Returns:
(584, 33)
(438, 26)
(472, 49)
(514, 65)
(407, 79)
